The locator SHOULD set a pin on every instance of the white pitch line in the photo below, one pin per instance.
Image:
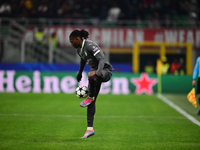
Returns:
(84, 116)
(38, 115)
(167, 101)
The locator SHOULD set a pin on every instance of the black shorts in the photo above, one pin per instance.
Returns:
(198, 86)
(106, 75)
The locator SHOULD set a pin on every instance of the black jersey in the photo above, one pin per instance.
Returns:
(93, 56)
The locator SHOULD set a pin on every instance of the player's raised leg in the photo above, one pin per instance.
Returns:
(92, 78)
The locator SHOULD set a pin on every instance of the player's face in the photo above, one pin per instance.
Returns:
(75, 42)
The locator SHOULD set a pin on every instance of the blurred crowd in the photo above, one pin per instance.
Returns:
(175, 66)
(102, 9)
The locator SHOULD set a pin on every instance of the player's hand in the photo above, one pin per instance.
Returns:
(94, 77)
(79, 76)
(91, 73)
(193, 82)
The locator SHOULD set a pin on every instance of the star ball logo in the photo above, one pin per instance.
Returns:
(144, 84)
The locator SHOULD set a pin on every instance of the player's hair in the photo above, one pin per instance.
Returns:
(83, 34)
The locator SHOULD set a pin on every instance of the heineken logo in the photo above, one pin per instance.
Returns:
(38, 82)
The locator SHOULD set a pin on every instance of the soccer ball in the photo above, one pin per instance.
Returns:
(82, 91)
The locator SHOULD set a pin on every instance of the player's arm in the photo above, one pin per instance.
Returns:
(101, 58)
(195, 72)
(82, 65)
(99, 55)
(94, 72)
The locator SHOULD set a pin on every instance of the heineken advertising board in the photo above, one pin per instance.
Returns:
(65, 82)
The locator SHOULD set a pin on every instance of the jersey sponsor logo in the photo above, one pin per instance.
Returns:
(89, 61)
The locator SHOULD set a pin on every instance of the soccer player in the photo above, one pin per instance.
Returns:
(100, 71)
(195, 73)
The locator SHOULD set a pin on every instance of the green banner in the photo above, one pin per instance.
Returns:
(120, 83)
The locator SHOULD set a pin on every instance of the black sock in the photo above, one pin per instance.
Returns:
(90, 114)
(92, 88)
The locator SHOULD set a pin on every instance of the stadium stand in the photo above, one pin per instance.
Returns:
(160, 11)
(19, 16)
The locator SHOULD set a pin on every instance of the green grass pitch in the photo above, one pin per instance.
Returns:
(57, 122)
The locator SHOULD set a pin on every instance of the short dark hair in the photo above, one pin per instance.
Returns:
(83, 34)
